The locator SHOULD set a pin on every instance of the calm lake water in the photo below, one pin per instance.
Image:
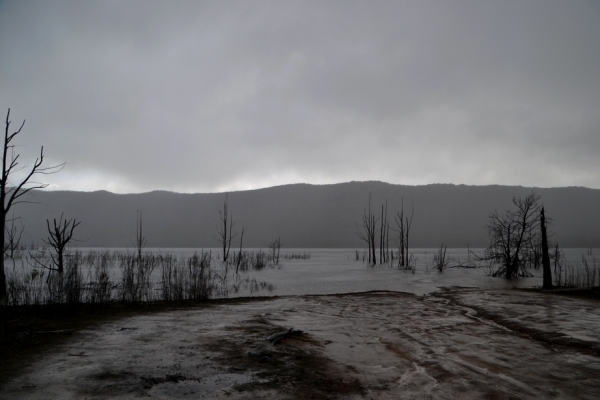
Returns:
(330, 271)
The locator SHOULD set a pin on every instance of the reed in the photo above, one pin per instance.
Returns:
(298, 256)
(104, 276)
(579, 275)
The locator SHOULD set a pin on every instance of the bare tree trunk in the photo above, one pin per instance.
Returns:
(408, 225)
(547, 284)
(59, 237)
(382, 234)
(239, 259)
(403, 260)
(140, 239)
(381, 238)
(13, 241)
(399, 218)
(225, 229)
(373, 238)
(387, 245)
(10, 193)
(2, 275)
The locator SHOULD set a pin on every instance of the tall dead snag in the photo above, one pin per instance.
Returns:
(382, 234)
(238, 261)
(140, 239)
(11, 192)
(408, 226)
(60, 235)
(403, 223)
(511, 234)
(399, 218)
(372, 227)
(366, 232)
(224, 230)
(547, 283)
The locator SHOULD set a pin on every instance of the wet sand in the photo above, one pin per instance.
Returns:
(457, 343)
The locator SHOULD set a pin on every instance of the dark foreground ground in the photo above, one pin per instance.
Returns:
(458, 343)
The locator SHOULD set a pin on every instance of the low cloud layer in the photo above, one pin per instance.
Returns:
(215, 96)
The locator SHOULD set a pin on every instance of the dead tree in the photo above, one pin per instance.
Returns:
(547, 283)
(275, 247)
(510, 234)
(11, 192)
(366, 232)
(13, 238)
(399, 218)
(140, 239)
(60, 235)
(239, 256)
(403, 223)
(224, 230)
(382, 234)
(439, 260)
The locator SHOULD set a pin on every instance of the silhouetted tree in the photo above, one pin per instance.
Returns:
(367, 230)
(10, 192)
(238, 261)
(224, 230)
(403, 223)
(547, 280)
(383, 230)
(13, 238)
(140, 239)
(275, 247)
(511, 233)
(60, 235)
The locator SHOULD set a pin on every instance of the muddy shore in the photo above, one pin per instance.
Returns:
(457, 343)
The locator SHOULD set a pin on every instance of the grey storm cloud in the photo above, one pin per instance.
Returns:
(213, 96)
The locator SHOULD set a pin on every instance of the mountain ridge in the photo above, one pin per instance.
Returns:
(306, 215)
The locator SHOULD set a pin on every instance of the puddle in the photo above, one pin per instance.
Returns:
(210, 387)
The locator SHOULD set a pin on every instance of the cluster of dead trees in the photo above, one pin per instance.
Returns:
(225, 238)
(518, 239)
(11, 194)
(60, 232)
(375, 228)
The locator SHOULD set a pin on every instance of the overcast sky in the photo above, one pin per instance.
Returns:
(205, 96)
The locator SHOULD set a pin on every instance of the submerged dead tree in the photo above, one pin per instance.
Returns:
(366, 231)
(140, 239)
(383, 231)
(11, 192)
(511, 234)
(59, 236)
(238, 259)
(275, 248)
(547, 280)
(12, 240)
(225, 228)
(403, 229)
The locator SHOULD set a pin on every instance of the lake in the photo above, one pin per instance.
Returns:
(330, 271)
